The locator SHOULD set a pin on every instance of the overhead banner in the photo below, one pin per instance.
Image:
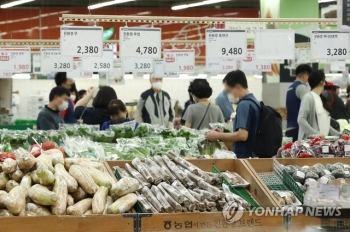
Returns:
(343, 15)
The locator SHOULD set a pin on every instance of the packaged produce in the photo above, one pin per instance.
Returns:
(123, 204)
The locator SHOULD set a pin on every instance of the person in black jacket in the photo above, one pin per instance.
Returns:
(336, 103)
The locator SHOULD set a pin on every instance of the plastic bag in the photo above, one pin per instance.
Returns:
(122, 130)
(103, 136)
(225, 127)
(13, 136)
(206, 147)
(187, 133)
(222, 154)
(144, 130)
(82, 147)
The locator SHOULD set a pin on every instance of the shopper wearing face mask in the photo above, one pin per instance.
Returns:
(118, 113)
(314, 115)
(74, 95)
(224, 101)
(154, 106)
(49, 118)
(293, 100)
(202, 113)
(62, 80)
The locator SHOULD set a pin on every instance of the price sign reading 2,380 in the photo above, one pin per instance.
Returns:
(140, 42)
(81, 41)
(330, 45)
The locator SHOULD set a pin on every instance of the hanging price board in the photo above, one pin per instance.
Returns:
(5, 75)
(332, 45)
(52, 61)
(77, 72)
(98, 64)
(274, 44)
(140, 42)
(226, 43)
(137, 64)
(159, 70)
(248, 27)
(15, 60)
(179, 60)
(81, 41)
(220, 64)
(251, 63)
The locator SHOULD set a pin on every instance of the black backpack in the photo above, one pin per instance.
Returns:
(269, 134)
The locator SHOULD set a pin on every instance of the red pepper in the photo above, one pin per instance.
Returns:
(11, 155)
(345, 137)
(287, 146)
(316, 140)
(305, 155)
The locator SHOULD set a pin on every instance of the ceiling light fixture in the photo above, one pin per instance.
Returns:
(15, 3)
(202, 3)
(103, 4)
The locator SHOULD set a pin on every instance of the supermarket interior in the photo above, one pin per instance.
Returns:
(164, 115)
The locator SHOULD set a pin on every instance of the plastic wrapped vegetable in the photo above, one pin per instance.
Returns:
(143, 130)
(103, 136)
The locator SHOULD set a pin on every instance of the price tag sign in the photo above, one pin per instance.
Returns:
(52, 61)
(77, 71)
(329, 45)
(137, 64)
(226, 43)
(220, 64)
(36, 64)
(274, 44)
(5, 75)
(15, 60)
(140, 42)
(248, 27)
(179, 60)
(81, 41)
(159, 70)
(251, 63)
(99, 64)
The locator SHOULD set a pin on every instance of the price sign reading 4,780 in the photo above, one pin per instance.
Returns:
(140, 42)
(179, 60)
(81, 41)
(223, 43)
(331, 45)
(15, 60)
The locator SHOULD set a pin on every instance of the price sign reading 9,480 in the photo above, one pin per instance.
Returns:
(224, 43)
(330, 45)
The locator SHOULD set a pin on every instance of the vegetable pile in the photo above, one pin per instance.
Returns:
(316, 148)
(52, 185)
(169, 183)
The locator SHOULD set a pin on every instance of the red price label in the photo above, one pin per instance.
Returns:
(186, 68)
(21, 67)
(263, 67)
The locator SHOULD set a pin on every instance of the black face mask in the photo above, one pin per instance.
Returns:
(119, 120)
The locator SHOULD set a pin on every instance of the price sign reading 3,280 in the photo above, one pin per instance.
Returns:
(81, 41)
(52, 61)
(137, 64)
(330, 45)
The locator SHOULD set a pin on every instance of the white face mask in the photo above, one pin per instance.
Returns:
(73, 97)
(63, 106)
(232, 98)
(157, 85)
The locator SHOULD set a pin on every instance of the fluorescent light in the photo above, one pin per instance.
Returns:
(21, 76)
(99, 5)
(15, 3)
(207, 2)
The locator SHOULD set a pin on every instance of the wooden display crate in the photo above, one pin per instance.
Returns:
(215, 222)
(298, 222)
(88, 223)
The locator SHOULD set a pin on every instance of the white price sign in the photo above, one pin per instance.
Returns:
(77, 71)
(5, 75)
(274, 44)
(81, 41)
(36, 64)
(140, 42)
(179, 60)
(99, 64)
(159, 70)
(329, 45)
(137, 64)
(226, 43)
(15, 60)
(251, 63)
(220, 64)
(248, 27)
(52, 61)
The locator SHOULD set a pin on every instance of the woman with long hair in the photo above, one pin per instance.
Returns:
(314, 115)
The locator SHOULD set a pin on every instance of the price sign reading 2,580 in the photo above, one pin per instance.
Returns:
(81, 41)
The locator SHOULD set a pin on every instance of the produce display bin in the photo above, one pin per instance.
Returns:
(206, 221)
(87, 223)
(261, 167)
